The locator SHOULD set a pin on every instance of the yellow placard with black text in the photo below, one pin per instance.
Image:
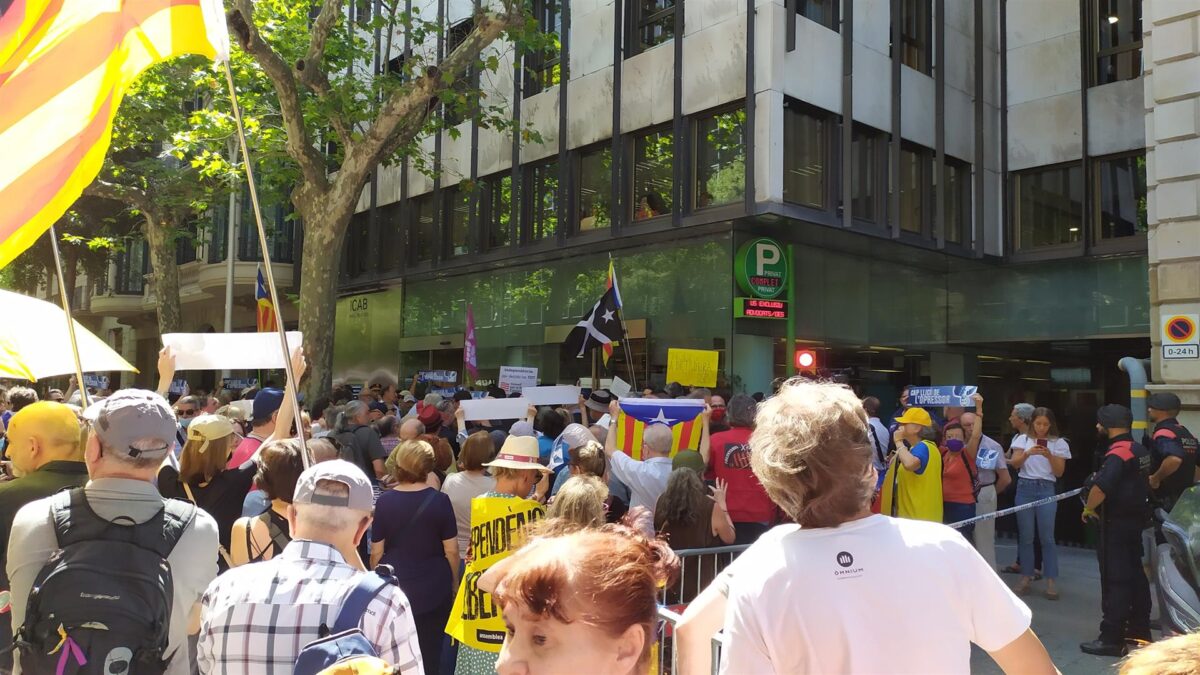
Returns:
(497, 527)
(692, 367)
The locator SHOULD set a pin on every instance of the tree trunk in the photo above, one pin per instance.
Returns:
(324, 228)
(166, 272)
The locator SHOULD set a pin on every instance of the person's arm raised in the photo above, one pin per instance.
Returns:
(287, 410)
(166, 371)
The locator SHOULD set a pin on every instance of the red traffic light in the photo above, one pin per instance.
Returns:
(806, 359)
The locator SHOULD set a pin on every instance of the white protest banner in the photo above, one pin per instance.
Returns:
(620, 388)
(514, 379)
(495, 408)
(229, 351)
(556, 395)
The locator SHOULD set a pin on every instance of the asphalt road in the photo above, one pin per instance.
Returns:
(1061, 624)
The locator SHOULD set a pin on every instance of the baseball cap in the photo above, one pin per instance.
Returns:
(406, 395)
(1164, 400)
(916, 416)
(378, 406)
(208, 428)
(688, 459)
(130, 416)
(360, 498)
(267, 402)
(1114, 416)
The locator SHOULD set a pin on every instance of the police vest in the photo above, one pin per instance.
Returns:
(1171, 431)
(1130, 496)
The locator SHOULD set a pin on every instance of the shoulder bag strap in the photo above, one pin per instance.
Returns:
(878, 444)
(356, 603)
(220, 547)
(420, 509)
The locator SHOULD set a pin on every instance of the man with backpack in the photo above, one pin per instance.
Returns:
(297, 611)
(118, 569)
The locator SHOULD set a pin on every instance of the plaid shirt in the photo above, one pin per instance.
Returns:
(256, 618)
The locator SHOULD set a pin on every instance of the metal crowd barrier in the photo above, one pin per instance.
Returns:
(698, 567)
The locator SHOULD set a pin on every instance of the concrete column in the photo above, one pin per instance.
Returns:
(1171, 54)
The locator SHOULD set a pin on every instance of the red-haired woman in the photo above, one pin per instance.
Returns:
(580, 597)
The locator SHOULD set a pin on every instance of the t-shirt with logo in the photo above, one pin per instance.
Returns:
(989, 460)
(863, 598)
(729, 460)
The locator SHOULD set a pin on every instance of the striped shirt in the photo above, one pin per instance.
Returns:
(256, 618)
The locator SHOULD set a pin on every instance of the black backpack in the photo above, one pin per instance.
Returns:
(102, 604)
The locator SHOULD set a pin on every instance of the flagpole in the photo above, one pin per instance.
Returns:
(624, 331)
(66, 305)
(266, 254)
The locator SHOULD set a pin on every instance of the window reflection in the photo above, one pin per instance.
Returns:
(1122, 196)
(495, 204)
(457, 216)
(1118, 40)
(595, 189)
(721, 159)
(653, 178)
(914, 176)
(1049, 206)
(803, 158)
(422, 228)
(544, 194)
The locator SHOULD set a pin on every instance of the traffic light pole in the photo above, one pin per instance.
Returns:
(789, 354)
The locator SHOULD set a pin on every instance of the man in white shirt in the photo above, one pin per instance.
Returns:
(993, 480)
(801, 600)
(647, 479)
(878, 434)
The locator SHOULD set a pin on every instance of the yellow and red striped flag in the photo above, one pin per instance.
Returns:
(607, 348)
(684, 435)
(64, 67)
(266, 310)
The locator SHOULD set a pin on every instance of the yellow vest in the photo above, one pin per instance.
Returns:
(917, 496)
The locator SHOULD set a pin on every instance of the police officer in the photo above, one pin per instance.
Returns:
(1122, 486)
(1172, 450)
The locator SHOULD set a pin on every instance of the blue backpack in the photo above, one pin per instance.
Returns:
(345, 640)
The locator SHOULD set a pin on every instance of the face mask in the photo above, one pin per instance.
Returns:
(718, 414)
(185, 421)
(954, 445)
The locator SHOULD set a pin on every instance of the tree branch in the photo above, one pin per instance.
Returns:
(299, 145)
(313, 75)
(126, 194)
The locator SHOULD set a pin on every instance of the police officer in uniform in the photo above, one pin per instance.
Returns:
(1172, 450)
(1122, 486)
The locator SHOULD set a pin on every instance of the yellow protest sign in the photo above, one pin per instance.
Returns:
(497, 526)
(692, 367)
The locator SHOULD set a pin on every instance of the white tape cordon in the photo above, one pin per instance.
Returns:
(1022, 507)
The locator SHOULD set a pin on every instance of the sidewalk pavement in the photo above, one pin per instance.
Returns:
(1061, 625)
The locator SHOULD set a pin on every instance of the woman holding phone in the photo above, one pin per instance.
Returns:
(1041, 457)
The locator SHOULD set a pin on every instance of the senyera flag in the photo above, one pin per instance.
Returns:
(64, 67)
(681, 415)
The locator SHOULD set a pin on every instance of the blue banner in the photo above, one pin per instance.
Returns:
(936, 397)
(448, 376)
(238, 383)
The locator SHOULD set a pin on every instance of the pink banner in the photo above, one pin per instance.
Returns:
(470, 358)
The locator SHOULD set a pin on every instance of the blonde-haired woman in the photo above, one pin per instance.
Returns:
(580, 501)
(414, 531)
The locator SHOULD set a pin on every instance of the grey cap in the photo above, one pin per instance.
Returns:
(360, 498)
(132, 416)
(1165, 401)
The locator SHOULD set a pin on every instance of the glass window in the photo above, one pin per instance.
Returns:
(914, 176)
(456, 214)
(544, 201)
(461, 106)
(721, 159)
(595, 189)
(354, 244)
(864, 158)
(543, 68)
(958, 200)
(653, 177)
(804, 160)
(1118, 40)
(824, 12)
(422, 228)
(390, 238)
(1122, 196)
(915, 32)
(495, 203)
(653, 23)
(1049, 206)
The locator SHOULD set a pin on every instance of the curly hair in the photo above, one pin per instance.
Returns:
(811, 452)
(683, 500)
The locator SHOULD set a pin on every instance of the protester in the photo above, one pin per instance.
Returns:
(1121, 487)
(517, 471)
(581, 601)
(431, 418)
(264, 417)
(717, 420)
(1041, 458)
(415, 532)
(959, 473)
(646, 478)
(903, 407)
(132, 432)
(324, 449)
(203, 480)
(549, 425)
(912, 487)
(595, 406)
(360, 444)
(687, 516)
(1019, 419)
(262, 537)
(1172, 449)
(256, 618)
(376, 411)
(47, 456)
(728, 457)
(879, 436)
(573, 437)
(580, 501)
(469, 482)
(18, 398)
(388, 428)
(803, 597)
(993, 480)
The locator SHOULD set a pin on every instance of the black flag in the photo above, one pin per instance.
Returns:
(600, 326)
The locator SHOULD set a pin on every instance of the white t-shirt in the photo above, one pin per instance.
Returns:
(881, 443)
(461, 488)
(1037, 467)
(876, 595)
(989, 460)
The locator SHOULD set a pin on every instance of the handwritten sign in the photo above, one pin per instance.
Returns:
(692, 367)
(513, 379)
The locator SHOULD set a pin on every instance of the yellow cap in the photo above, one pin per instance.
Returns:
(915, 416)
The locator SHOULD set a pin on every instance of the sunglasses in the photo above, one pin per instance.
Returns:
(187, 413)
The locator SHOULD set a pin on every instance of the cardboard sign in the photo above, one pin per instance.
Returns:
(229, 351)
(449, 376)
(620, 388)
(495, 409)
(692, 367)
(936, 397)
(557, 395)
(514, 379)
(497, 524)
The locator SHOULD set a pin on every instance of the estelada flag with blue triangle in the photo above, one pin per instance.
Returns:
(681, 415)
(266, 310)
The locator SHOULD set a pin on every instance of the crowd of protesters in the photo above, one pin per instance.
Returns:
(269, 533)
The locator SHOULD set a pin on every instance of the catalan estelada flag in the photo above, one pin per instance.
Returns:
(682, 415)
(64, 67)
(266, 310)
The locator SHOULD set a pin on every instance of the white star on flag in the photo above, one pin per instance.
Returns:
(608, 315)
(662, 418)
